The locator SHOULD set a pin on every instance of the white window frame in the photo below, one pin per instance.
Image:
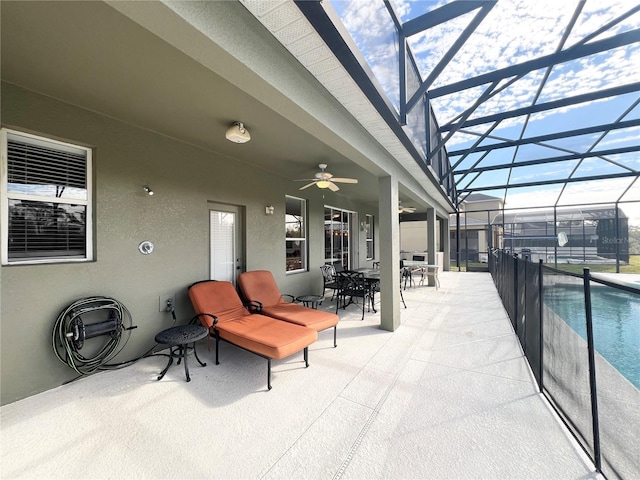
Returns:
(369, 237)
(303, 239)
(348, 254)
(6, 196)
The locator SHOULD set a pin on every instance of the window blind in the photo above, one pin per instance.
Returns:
(222, 232)
(37, 170)
(46, 200)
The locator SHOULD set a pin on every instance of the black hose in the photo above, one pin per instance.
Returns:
(69, 354)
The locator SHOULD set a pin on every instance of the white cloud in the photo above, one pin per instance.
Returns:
(516, 31)
(513, 32)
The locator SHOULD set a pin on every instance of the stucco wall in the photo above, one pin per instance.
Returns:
(413, 236)
(176, 219)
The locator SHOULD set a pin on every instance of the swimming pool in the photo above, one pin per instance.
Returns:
(616, 323)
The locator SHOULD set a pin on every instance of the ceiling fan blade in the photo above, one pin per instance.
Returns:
(307, 185)
(345, 180)
(333, 187)
(406, 210)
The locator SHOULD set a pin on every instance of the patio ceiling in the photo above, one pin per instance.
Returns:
(537, 102)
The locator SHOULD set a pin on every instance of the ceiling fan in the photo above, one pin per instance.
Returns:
(326, 180)
(402, 209)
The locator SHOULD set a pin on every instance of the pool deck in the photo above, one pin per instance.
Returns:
(626, 279)
(448, 395)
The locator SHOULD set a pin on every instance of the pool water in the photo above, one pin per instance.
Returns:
(616, 323)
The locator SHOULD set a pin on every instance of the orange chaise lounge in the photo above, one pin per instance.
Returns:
(220, 309)
(260, 288)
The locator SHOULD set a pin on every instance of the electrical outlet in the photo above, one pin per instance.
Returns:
(163, 301)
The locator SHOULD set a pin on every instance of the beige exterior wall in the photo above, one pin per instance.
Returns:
(413, 236)
(478, 209)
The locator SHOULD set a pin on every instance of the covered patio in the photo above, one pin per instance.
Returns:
(447, 395)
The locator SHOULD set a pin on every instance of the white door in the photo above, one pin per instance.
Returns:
(226, 253)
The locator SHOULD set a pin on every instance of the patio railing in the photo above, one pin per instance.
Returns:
(581, 337)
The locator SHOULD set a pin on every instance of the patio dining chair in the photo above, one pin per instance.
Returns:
(431, 271)
(351, 286)
(405, 275)
(415, 270)
(375, 287)
(329, 280)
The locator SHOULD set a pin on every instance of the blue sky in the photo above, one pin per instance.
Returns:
(516, 31)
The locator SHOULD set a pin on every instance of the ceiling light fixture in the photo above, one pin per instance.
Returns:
(237, 133)
(147, 189)
(323, 183)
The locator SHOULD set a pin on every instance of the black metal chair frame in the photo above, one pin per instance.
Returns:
(352, 285)
(329, 279)
(375, 286)
(216, 334)
(405, 274)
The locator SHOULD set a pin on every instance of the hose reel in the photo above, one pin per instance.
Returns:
(79, 332)
(71, 330)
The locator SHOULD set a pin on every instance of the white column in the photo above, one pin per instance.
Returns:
(446, 244)
(389, 253)
(431, 241)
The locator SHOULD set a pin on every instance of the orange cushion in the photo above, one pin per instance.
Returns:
(257, 333)
(301, 315)
(260, 286)
(217, 298)
(267, 336)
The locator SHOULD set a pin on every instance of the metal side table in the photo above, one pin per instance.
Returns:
(310, 300)
(178, 338)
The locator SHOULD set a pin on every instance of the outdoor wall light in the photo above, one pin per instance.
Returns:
(269, 209)
(237, 133)
(147, 190)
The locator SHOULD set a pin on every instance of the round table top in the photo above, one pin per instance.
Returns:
(309, 298)
(181, 334)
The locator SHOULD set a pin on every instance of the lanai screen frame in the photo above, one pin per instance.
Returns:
(415, 90)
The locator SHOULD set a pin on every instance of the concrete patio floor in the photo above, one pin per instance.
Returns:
(448, 395)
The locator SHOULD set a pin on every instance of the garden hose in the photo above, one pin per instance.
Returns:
(70, 332)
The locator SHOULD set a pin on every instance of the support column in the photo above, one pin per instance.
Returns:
(389, 253)
(432, 243)
(445, 232)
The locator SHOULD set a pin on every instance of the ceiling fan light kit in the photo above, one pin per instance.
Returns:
(237, 133)
(324, 179)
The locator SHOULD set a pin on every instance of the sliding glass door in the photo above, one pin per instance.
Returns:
(338, 237)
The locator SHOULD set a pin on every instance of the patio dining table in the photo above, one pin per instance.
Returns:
(372, 277)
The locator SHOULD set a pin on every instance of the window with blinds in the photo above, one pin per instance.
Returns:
(46, 200)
